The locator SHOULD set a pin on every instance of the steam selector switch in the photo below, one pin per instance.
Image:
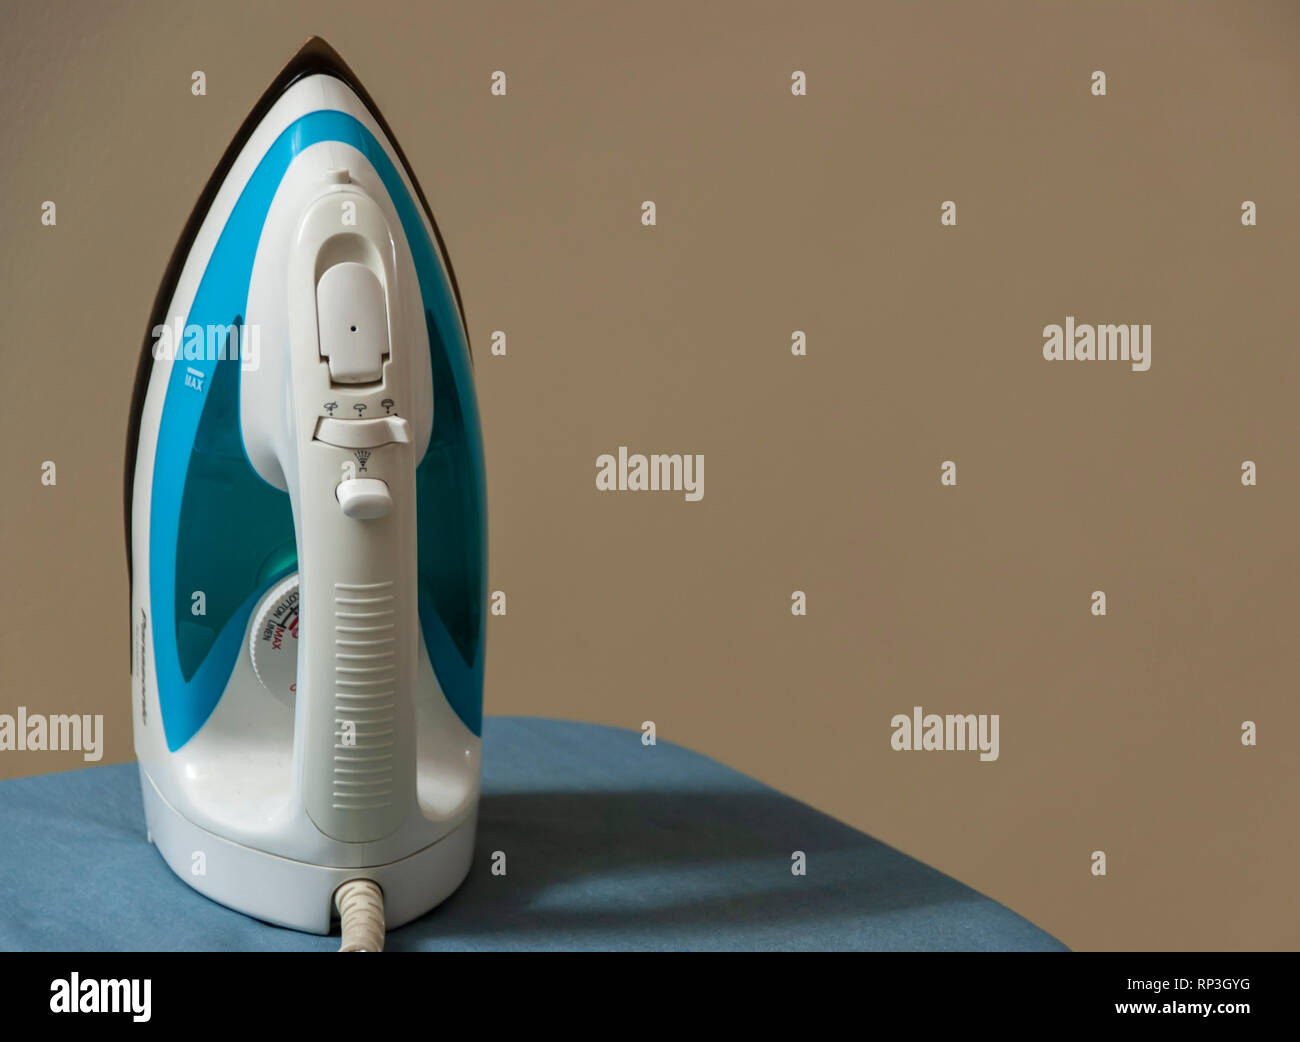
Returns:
(364, 498)
(352, 315)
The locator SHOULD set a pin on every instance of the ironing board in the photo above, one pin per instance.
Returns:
(609, 844)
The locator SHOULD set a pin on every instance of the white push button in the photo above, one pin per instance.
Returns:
(364, 498)
(353, 320)
(363, 434)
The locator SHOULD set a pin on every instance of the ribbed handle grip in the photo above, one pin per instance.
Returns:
(357, 645)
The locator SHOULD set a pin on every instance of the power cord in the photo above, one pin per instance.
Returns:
(361, 915)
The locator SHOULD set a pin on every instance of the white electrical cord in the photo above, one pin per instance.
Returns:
(361, 915)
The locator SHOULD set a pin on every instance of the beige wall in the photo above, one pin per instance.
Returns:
(779, 213)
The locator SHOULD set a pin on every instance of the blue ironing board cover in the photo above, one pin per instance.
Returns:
(609, 845)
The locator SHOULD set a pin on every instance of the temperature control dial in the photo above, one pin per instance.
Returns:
(273, 640)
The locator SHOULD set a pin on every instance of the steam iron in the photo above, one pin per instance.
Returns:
(306, 530)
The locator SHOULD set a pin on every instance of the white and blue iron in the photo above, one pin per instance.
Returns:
(307, 530)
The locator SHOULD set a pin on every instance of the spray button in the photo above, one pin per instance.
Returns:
(364, 498)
